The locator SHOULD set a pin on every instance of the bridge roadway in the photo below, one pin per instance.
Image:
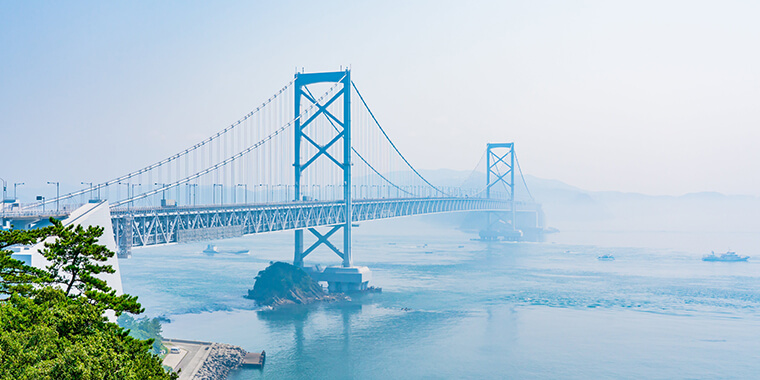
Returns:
(139, 227)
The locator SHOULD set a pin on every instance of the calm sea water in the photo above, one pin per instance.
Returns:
(452, 308)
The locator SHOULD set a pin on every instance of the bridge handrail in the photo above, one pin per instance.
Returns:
(189, 208)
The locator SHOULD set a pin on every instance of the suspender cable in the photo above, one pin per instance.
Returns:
(394, 145)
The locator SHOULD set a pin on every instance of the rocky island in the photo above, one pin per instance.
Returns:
(283, 284)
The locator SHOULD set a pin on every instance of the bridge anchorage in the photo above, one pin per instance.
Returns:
(313, 159)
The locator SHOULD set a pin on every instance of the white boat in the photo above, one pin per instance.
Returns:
(212, 249)
(728, 256)
(606, 257)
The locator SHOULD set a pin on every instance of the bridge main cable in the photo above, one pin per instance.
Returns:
(394, 145)
(224, 162)
(166, 160)
(362, 157)
(517, 160)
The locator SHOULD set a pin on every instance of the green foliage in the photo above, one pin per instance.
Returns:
(148, 329)
(76, 259)
(283, 281)
(53, 324)
(26, 237)
(15, 276)
(52, 336)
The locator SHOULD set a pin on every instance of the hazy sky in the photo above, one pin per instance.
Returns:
(659, 97)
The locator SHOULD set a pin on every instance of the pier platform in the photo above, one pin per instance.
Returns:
(254, 359)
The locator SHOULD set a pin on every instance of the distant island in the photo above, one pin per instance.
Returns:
(285, 284)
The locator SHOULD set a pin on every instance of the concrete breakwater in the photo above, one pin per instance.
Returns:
(196, 360)
(221, 360)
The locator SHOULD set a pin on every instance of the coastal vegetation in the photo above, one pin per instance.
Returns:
(144, 329)
(53, 321)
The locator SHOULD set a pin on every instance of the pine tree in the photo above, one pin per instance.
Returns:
(76, 260)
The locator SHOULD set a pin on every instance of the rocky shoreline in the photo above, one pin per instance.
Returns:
(221, 359)
(297, 298)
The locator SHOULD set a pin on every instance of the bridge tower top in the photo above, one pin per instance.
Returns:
(308, 148)
(500, 164)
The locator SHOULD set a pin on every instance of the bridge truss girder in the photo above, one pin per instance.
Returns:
(156, 226)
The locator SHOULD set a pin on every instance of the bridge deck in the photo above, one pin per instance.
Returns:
(151, 226)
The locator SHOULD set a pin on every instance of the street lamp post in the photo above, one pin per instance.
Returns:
(319, 190)
(163, 190)
(163, 193)
(3, 200)
(14, 189)
(57, 195)
(133, 192)
(5, 186)
(117, 191)
(265, 197)
(88, 183)
(194, 188)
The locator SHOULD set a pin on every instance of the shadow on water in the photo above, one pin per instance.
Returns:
(306, 323)
(348, 339)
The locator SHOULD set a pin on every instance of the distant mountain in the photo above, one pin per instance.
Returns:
(570, 207)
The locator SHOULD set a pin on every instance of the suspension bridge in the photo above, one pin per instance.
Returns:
(312, 158)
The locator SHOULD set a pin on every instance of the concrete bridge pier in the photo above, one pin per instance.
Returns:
(123, 235)
(341, 279)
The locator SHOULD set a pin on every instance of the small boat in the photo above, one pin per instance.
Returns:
(606, 257)
(212, 249)
(728, 256)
